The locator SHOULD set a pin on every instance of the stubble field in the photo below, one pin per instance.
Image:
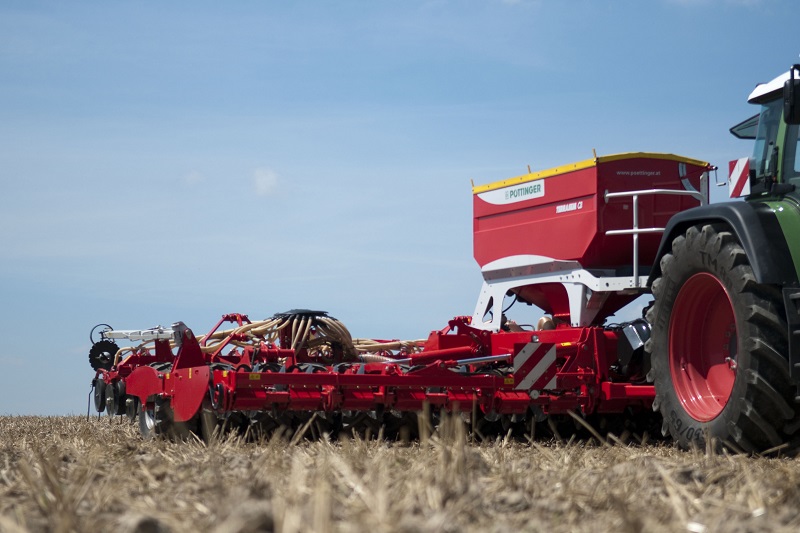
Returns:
(72, 474)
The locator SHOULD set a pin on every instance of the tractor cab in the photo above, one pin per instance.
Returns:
(774, 167)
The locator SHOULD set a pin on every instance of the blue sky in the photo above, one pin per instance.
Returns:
(175, 162)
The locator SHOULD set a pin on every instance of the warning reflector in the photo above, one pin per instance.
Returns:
(739, 180)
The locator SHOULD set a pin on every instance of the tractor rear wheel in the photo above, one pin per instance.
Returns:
(716, 348)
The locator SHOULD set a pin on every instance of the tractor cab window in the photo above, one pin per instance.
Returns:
(791, 161)
(769, 121)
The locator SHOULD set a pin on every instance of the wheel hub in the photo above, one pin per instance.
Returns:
(703, 346)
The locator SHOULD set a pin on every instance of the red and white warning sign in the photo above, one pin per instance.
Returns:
(739, 180)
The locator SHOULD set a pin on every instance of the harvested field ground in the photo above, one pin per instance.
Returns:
(69, 474)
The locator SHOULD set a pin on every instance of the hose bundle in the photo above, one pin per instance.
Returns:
(321, 336)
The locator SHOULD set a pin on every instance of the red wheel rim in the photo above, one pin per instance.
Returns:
(702, 347)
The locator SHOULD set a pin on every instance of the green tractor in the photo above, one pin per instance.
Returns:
(725, 339)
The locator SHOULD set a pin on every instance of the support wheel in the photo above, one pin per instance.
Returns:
(716, 347)
(101, 355)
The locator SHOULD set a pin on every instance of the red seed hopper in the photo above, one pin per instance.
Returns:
(598, 218)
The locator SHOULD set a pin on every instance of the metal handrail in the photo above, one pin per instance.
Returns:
(636, 230)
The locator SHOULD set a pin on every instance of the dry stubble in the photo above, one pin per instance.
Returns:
(69, 474)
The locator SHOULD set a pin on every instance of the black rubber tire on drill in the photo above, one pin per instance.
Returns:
(717, 347)
(101, 355)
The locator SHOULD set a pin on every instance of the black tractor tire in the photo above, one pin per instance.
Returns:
(718, 346)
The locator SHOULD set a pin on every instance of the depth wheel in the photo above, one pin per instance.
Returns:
(716, 347)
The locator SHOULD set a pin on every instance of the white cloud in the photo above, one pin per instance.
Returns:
(265, 181)
(193, 178)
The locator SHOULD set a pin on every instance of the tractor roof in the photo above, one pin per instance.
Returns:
(764, 91)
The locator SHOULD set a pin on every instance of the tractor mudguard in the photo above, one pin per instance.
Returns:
(756, 228)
